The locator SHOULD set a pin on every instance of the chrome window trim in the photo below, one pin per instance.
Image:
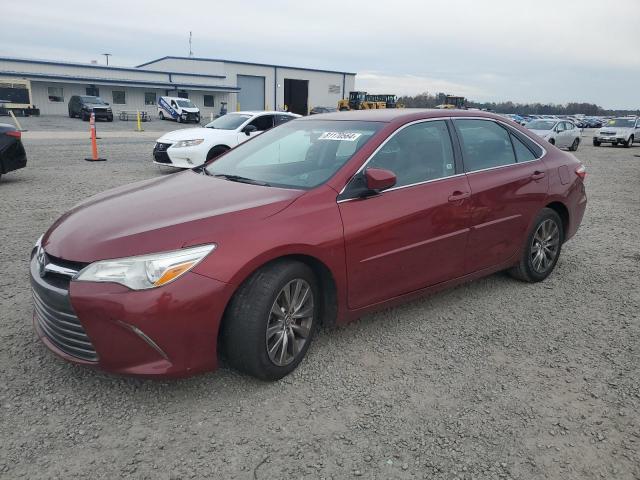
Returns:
(393, 134)
(405, 186)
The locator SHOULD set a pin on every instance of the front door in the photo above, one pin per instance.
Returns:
(414, 234)
(508, 188)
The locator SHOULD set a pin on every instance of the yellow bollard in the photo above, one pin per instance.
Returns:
(15, 120)
(237, 106)
(138, 119)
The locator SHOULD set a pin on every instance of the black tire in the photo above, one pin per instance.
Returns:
(629, 143)
(525, 269)
(216, 151)
(552, 141)
(596, 143)
(161, 115)
(109, 119)
(70, 114)
(244, 329)
(85, 117)
(574, 145)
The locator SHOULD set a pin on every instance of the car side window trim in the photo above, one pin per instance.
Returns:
(457, 173)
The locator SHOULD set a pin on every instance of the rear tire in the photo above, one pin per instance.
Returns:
(216, 151)
(259, 309)
(542, 248)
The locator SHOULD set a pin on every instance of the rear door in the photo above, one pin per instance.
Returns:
(414, 234)
(508, 184)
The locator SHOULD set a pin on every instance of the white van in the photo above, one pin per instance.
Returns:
(178, 109)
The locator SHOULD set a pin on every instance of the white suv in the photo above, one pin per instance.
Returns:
(623, 130)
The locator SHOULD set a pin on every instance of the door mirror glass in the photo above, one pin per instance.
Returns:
(379, 179)
(249, 129)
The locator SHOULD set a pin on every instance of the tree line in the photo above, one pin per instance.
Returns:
(428, 100)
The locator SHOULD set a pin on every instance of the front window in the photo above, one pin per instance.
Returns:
(184, 103)
(230, 121)
(541, 125)
(119, 97)
(300, 154)
(92, 100)
(621, 122)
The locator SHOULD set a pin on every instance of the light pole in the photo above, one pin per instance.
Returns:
(107, 55)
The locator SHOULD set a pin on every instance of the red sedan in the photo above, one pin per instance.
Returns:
(318, 221)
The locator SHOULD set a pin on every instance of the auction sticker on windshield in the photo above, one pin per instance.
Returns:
(346, 136)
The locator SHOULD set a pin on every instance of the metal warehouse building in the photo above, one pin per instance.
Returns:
(206, 82)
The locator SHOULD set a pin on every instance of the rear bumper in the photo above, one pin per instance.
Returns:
(13, 158)
(170, 331)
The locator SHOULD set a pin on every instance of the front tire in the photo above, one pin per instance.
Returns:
(629, 143)
(216, 151)
(574, 145)
(161, 115)
(596, 143)
(542, 248)
(271, 320)
(552, 141)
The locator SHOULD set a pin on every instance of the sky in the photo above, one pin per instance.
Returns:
(548, 51)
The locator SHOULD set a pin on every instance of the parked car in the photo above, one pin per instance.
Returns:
(12, 153)
(593, 123)
(619, 131)
(182, 110)
(318, 221)
(82, 106)
(190, 147)
(318, 110)
(561, 133)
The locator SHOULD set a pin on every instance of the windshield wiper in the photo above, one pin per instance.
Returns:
(238, 178)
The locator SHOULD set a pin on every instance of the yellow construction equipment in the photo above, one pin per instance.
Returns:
(364, 101)
(451, 102)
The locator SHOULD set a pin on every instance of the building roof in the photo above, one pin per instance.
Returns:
(199, 59)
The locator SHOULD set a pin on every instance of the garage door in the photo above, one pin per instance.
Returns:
(251, 94)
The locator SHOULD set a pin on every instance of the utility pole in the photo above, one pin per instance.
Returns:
(107, 55)
(190, 51)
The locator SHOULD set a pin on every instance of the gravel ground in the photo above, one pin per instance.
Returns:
(493, 379)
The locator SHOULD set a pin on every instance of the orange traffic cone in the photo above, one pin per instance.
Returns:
(94, 143)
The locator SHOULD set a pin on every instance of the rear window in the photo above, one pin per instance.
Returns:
(485, 144)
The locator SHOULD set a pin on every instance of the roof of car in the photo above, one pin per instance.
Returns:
(392, 114)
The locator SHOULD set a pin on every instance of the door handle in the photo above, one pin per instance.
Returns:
(458, 196)
(537, 175)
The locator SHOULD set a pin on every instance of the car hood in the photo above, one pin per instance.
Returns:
(158, 215)
(542, 133)
(191, 133)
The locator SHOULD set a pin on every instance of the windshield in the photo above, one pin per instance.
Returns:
(621, 122)
(185, 103)
(96, 100)
(230, 121)
(541, 125)
(298, 154)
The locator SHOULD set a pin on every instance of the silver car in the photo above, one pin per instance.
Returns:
(556, 131)
(619, 131)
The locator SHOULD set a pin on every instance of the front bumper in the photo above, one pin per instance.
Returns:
(184, 157)
(609, 139)
(170, 331)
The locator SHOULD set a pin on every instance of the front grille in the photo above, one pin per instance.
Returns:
(54, 314)
(64, 330)
(160, 153)
(607, 133)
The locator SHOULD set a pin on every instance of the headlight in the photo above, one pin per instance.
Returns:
(188, 143)
(145, 271)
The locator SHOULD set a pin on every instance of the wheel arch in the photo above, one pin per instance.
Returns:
(326, 284)
(562, 210)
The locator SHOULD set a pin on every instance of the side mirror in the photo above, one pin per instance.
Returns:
(379, 179)
(249, 129)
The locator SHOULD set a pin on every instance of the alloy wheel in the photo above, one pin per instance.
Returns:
(290, 321)
(545, 246)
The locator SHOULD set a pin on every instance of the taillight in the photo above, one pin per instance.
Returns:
(14, 133)
(581, 172)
